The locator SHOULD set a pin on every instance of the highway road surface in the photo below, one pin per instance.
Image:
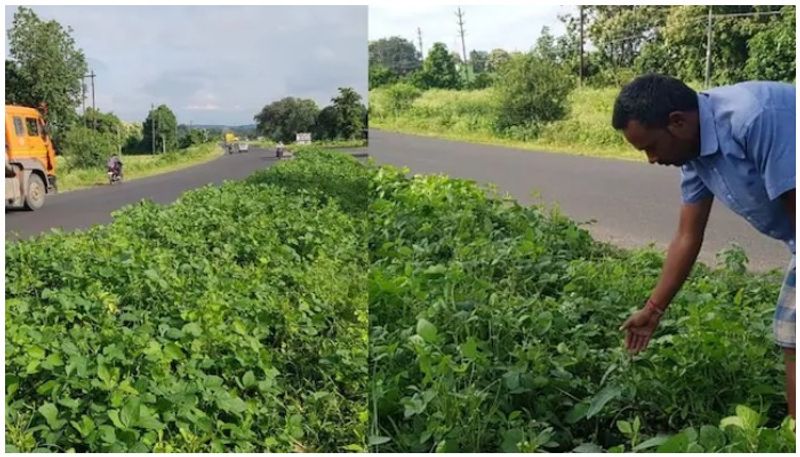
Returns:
(632, 204)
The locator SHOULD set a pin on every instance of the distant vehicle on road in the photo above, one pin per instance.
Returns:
(244, 147)
(231, 143)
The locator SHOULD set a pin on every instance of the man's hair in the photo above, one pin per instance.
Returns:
(650, 98)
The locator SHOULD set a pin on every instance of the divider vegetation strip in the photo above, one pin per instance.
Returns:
(494, 327)
(232, 320)
(262, 315)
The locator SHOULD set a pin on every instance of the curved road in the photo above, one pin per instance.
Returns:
(84, 208)
(632, 204)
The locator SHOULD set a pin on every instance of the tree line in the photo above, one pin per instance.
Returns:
(46, 71)
(748, 42)
(620, 42)
(344, 119)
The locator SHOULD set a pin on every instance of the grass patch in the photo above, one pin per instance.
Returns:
(136, 166)
(469, 116)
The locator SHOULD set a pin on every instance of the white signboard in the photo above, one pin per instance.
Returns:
(303, 138)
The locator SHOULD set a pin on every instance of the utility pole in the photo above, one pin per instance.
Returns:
(708, 48)
(94, 107)
(83, 97)
(460, 16)
(581, 69)
(419, 38)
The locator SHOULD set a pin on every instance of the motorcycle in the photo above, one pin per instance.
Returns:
(114, 175)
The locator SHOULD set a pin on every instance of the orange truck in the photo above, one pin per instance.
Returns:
(30, 159)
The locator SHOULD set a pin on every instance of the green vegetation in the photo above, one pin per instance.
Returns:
(469, 116)
(232, 320)
(343, 120)
(46, 71)
(136, 166)
(236, 320)
(494, 327)
(534, 100)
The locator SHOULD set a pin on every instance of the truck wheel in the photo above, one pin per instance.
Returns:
(34, 197)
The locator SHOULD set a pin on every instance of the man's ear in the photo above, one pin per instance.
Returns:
(677, 119)
(677, 124)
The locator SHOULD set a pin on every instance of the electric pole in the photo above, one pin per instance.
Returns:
(419, 38)
(83, 95)
(581, 69)
(94, 107)
(83, 99)
(460, 16)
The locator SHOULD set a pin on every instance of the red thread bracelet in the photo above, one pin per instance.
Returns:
(653, 307)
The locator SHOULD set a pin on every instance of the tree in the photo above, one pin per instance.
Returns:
(190, 137)
(438, 70)
(396, 54)
(15, 88)
(86, 148)
(771, 52)
(282, 120)
(106, 124)
(45, 67)
(327, 125)
(380, 76)
(350, 112)
(673, 40)
(532, 91)
(161, 122)
(102, 122)
(132, 138)
(545, 46)
(620, 31)
(480, 60)
(496, 59)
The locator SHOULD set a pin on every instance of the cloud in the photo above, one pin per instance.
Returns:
(205, 107)
(511, 27)
(217, 65)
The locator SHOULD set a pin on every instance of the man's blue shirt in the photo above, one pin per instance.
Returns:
(747, 153)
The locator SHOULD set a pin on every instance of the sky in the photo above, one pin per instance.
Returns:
(510, 27)
(215, 64)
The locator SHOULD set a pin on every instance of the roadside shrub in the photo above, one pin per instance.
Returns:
(85, 148)
(532, 92)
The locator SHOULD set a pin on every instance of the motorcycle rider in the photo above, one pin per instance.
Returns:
(114, 166)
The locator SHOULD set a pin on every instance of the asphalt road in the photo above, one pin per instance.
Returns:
(632, 204)
(84, 208)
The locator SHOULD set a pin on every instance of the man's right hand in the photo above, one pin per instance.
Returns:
(639, 328)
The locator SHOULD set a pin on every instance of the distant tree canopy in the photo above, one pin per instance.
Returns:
(283, 119)
(160, 130)
(748, 42)
(344, 119)
(45, 68)
(396, 54)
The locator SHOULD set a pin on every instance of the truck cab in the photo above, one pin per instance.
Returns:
(231, 142)
(30, 159)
